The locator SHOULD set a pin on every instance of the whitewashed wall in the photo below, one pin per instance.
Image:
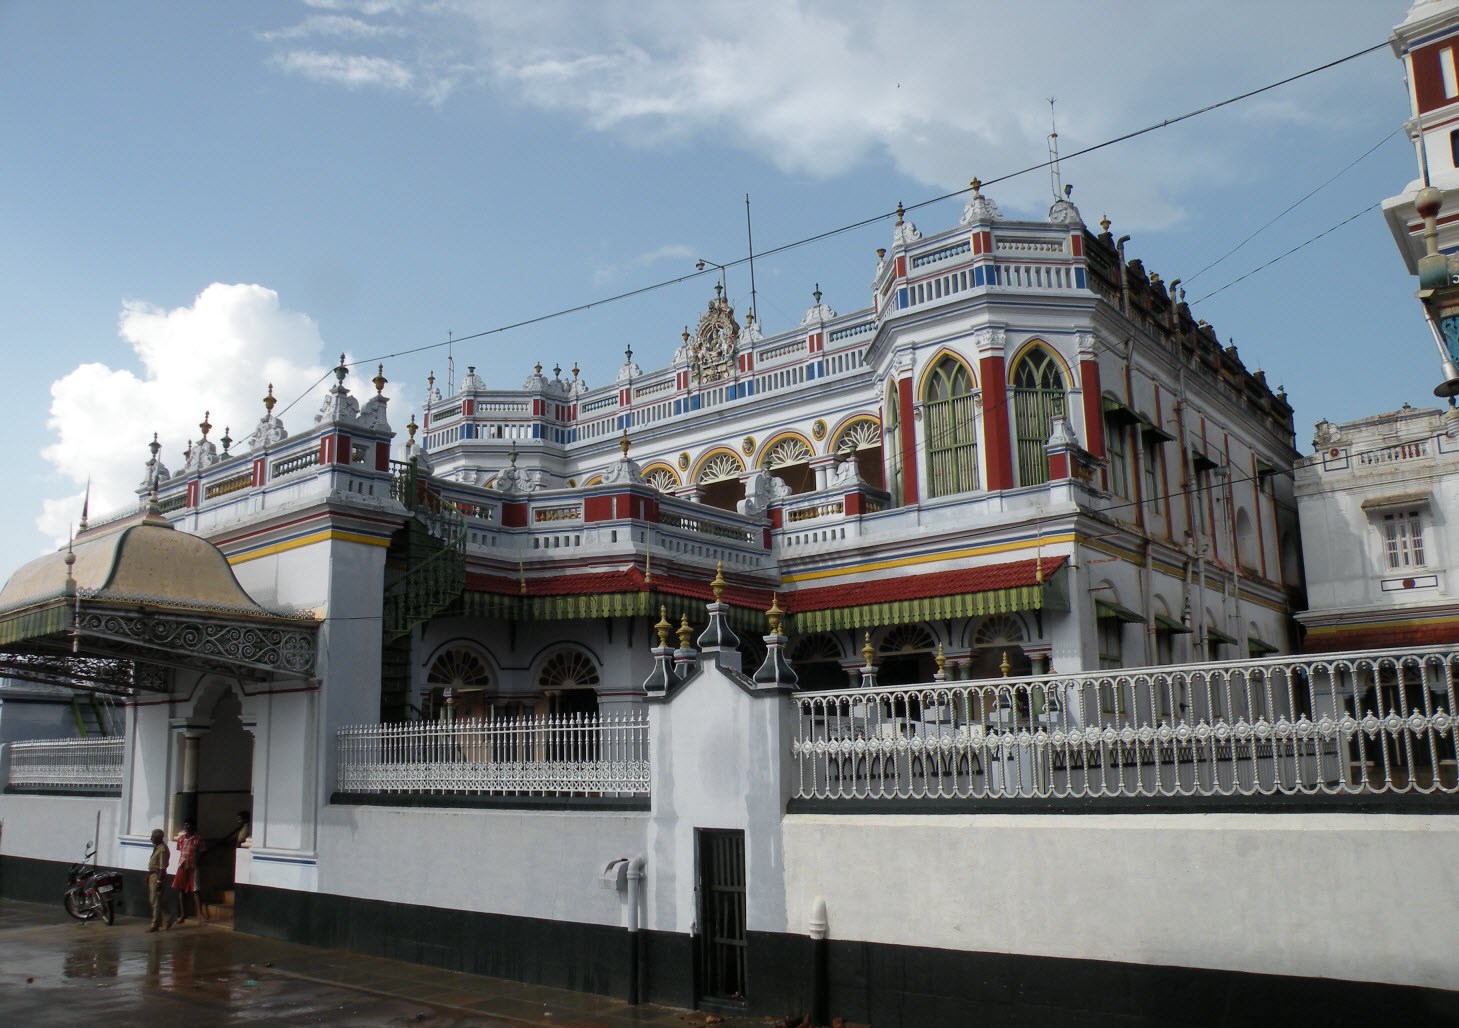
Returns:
(1346, 896)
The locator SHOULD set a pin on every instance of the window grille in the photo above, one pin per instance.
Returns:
(1403, 538)
(1038, 395)
(951, 432)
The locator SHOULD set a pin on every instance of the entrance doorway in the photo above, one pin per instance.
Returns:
(225, 790)
(721, 940)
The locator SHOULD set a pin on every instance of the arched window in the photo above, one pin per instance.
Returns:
(1038, 395)
(908, 655)
(661, 477)
(569, 680)
(817, 663)
(861, 439)
(893, 421)
(790, 461)
(951, 429)
(464, 673)
(719, 480)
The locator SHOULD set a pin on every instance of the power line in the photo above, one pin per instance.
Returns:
(863, 222)
(1299, 246)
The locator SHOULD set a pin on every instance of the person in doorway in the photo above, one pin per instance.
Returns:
(242, 832)
(156, 873)
(189, 848)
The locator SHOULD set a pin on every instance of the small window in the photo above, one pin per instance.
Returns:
(1111, 643)
(1115, 437)
(1454, 148)
(1446, 68)
(1152, 474)
(1403, 539)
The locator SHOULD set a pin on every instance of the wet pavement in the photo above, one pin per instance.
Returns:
(56, 971)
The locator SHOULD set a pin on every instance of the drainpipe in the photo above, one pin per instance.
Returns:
(635, 877)
(818, 928)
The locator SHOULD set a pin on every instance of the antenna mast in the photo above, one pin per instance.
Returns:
(1056, 182)
(450, 363)
(750, 238)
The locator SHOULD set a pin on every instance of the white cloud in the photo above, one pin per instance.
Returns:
(939, 89)
(351, 70)
(218, 356)
(334, 26)
(606, 274)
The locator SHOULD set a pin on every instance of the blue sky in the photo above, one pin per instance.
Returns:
(198, 199)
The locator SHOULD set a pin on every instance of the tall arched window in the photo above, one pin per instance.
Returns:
(951, 429)
(892, 418)
(1038, 395)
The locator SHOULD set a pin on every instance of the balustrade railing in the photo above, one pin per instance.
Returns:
(1380, 722)
(567, 755)
(67, 765)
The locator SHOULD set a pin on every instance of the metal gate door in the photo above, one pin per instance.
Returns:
(722, 914)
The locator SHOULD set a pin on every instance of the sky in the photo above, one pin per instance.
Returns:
(198, 200)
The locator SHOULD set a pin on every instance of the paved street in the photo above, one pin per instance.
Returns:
(55, 971)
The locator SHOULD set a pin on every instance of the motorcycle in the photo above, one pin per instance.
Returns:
(92, 893)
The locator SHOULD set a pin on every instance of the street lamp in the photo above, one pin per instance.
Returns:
(1438, 290)
(723, 288)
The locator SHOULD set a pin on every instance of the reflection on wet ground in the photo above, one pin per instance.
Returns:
(56, 971)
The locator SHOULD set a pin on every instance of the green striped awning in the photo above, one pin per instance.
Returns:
(1171, 625)
(1219, 636)
(925, 608)
(1103, 609)
(590, 606)
(34, 624)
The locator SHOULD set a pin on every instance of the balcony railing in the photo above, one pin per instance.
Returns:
(569, 755)
(92, 766)
(1376, 723)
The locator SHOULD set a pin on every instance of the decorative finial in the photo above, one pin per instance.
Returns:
(623, 444)
(380, 379)
(341, 371)
(205, 427)
(86, 505)
(686, 333)
(941, 660)
(685, 633)
(900, 211)
(628, 354)
(881, 253)
(430, 381)
(269, 401)
(977, 185)
(412, 428)
(154, 446)
(817, 294)
(719, 583)
(1104, 223)
(227, 439)
(557, 371)
(187, 454)
(512, 455)
(1005, 667)
(664, 627)
(575, 371)
(774, 614)
(867, 651)
(536, 368)
(719, 292)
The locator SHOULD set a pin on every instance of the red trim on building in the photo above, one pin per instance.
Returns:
(382, 456)
(259, 471)
(625, 580)
(1076, 244)
(901, 265)
(514, 515)
(992, 374)
(192, 493)
(914, 587)
(342, 449)
(1093, 407)
(1058, 466)
(468, 407)
(909, 443)
(1372, 637)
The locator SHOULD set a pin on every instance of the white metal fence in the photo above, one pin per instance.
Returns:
(568, 755)
(66, 765)
(1378, 722)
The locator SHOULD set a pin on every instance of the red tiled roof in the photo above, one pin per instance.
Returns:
(894, 587)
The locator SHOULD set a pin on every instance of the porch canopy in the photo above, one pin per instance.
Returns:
(1035, 585)
(133, 599)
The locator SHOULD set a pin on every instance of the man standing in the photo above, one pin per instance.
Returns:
(156, 869)
(189, 849)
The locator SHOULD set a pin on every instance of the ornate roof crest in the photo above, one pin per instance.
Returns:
(980, 207)
(712, 347)
(269, 429)
(817, 312)
(339, 405)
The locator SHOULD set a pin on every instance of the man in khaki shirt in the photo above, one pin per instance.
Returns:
(156, 871)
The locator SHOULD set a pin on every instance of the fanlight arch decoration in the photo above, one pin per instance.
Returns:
(719, 466)
(998, 630)
(459, 667)
(662, 477)
(785, 452)
(859, 433)
(568, 668)
(907, 639)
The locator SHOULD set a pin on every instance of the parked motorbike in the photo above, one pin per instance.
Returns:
(92, 893)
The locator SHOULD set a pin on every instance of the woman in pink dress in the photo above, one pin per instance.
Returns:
(189, 848)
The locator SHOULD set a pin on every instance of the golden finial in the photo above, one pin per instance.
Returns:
(977, 185)
(537, 368)
(941, 660)
(685, 632)
(206, 428)
(269, 401)
(412, 427)
(867, 651)
(686, 333)
(380, 379)
(1104, 223)
(664, 627)
(623, 444)
(1005, 667)
(774, 614)
(881, 253)
(719, 583)
(1038, 568)
(521, 578)
(900, 211)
